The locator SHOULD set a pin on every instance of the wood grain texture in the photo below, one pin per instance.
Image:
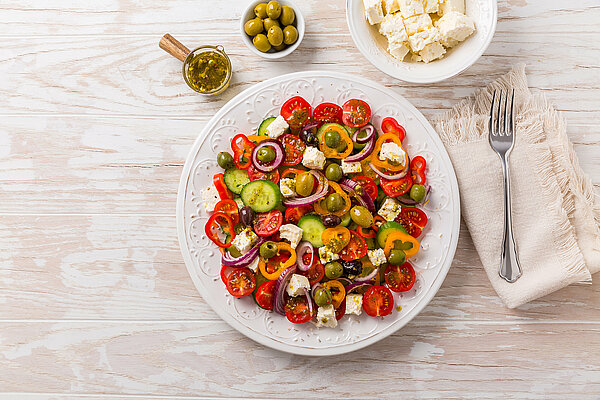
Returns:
(95, 301)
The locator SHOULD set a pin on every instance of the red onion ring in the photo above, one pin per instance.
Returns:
(244, 260)
(279, 155)
(311, 307)
(389, 177)
(364, 153)
(363, 198)
(370, 129)
(280, 286)
(355, 285)
(344, 279)
(320, 192)
(368, 277)
(301, 250)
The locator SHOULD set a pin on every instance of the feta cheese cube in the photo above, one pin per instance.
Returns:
(210, 198)
(417, 23)
(389, 209)
(377, 257)
(392, 152)
(448, 6)
(432, 51)
(287, 187)
(431, 6)
(391, 25)
(326, 317)
(244, 240)
(254, 264)
(313, 158)
(297, 285)
(373, 11)
(454, 27)
(327, 255)
(390, 6)
(351, 167)
(354, 303)
(421, 39)
(292, 233)
(239, 202)
(408, 8)
(277, 127)
(398, 50)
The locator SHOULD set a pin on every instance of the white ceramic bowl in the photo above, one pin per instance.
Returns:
(272, 54)
(373, 45)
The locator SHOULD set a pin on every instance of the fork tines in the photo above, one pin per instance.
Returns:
(502, 119)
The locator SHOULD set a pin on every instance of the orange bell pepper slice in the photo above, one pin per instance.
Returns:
(257, 139)
(408, 244)
(336, 238)
(344, 138)
(291, 173)
(386, 164)
(273, 267)
(320, 208)
(338, 292)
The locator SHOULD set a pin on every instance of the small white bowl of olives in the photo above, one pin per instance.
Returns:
(272, 29)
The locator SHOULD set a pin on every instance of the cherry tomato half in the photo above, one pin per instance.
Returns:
(390, 125)
(378, 301)
(417, 170)
(266, 224)
(355, 249)
(265, 295)
(296, 111)
(255, 175)
(400, 278)
(315, 273)
(413, 220)
(294, 149)
(230, 208)
(325, 113)
(356, 113)
(368, 185)
(293, 214)
(397, 187)
(297, 310)
(340, 311)
(241, 282)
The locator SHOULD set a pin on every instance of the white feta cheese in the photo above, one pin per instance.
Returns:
(373, 11)
(244, 240)
(398, 50)
(277, 127)
(287, 187)
(408, 8)
(390, 6)
(254, 264)
(391, 25)
(454, 27)
(210, 198)
(292, 233)
(377, 257)
(389, 209)
(432, 51)
(313, 158)
(326, 317)
(421, 39)
(297, 285)
(447, 6)
(354, 303)
(392, 152)
(239, 202)
(351, 167)
(417, 23)
(327, 255)
(431, 6)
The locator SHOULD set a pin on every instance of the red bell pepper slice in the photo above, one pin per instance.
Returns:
(242, 151)
(219, 182)
(219, 229)
(417, 170)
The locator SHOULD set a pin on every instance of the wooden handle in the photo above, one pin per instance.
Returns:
(172, 46)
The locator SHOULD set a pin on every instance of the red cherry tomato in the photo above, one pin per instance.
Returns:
(296, 111)
(378, 301)
(266, 224)
(255, 175)
(265, 295)
(230, 208)
(413, 220)
(297, 310)
(293, 214)
(390, 125)
(315, 273)
(240, 282)
(400, 278)
(325, 113)
(294, 149)
(417, 170)
(356, 113)
(355, 249)
(396, 187)
(341, 310)
(368, 185)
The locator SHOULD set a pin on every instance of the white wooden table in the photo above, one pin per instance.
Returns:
(95, 301)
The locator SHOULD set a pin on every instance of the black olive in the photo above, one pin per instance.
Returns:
(309, 134)
(352, 268)
(331, 220)
(246, 215)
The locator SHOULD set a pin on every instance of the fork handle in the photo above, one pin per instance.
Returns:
(510, 269)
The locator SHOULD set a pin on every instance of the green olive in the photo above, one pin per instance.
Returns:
(268, 249)
(362, 216)
(334, 202)
(273, 9)
(305, 184)
(268, 23)
(261, 42)
(417, 193)
(370, 243)
(333, 270)
(253, 27)
(261, 10)
(225, 160)
(234, 252)
(287, 16)
(275, 36)
(332, 139)
(290, 35)
(397, 257)
(334, 172)
(282, 46)
(265, 154)
(323, 297)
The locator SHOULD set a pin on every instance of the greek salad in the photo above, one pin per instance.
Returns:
(317, 212)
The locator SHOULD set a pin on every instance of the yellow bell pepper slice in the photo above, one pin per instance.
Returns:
(257, 139)
(267, 267)
(336, 238)
(386, 164)
(320, 206)
(390, 243)
(344, 138)
(338, 292)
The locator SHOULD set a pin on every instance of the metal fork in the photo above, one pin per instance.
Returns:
(502, 139)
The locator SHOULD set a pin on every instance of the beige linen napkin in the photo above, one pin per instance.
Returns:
(556, 215)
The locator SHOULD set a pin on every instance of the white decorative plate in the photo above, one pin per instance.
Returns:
(202, 258)
(373, 45)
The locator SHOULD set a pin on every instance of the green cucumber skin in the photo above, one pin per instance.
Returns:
(345, 220)
(267, 190)
(385, 229)
(324, 127)
(262, 129)
(236, 179)
(312, 228)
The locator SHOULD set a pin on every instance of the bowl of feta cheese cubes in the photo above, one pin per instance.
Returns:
(422, 41)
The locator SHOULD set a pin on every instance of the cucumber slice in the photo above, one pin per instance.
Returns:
(262, 129)
(385, 229)
(236, 179)
(312, 228)
(321, 131)
(261, 196)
